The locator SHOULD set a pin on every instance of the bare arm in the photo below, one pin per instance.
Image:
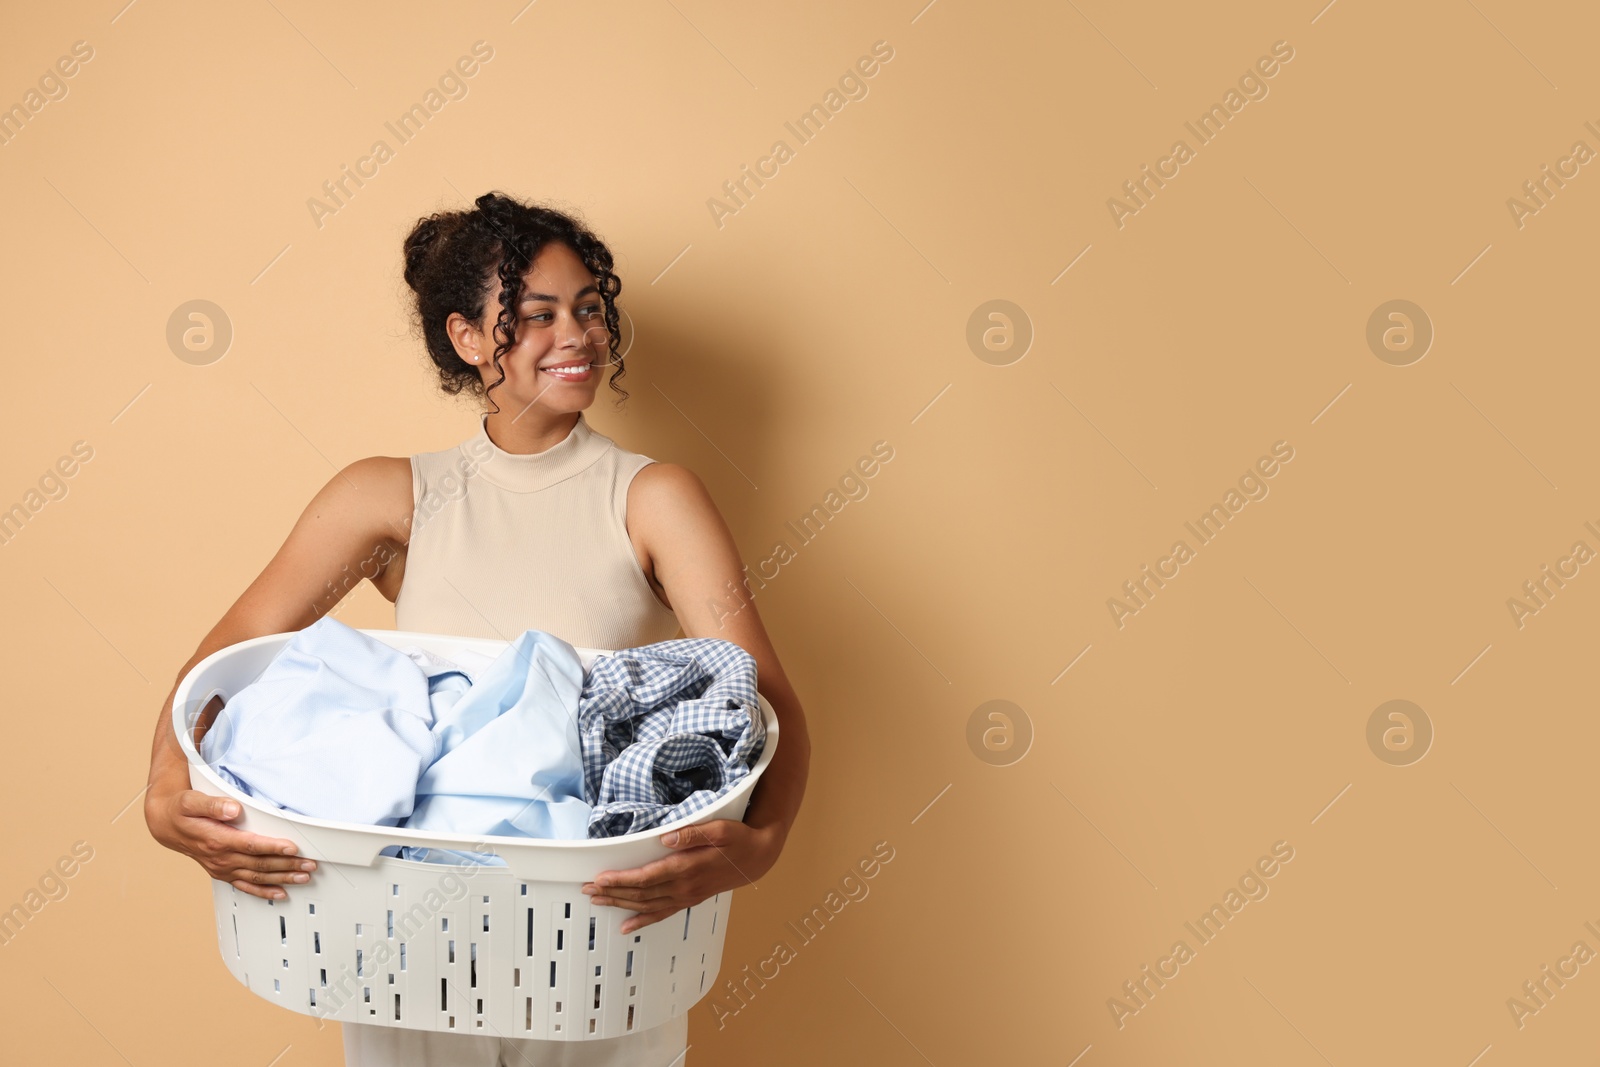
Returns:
(697, 563)
(354, 528)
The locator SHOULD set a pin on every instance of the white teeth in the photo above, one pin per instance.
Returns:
(566, 370)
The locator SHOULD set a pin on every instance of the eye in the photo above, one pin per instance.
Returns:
(587, 309)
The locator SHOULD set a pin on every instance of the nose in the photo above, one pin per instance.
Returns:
(571, 335)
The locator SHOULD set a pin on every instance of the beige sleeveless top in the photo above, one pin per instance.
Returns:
(503, 542)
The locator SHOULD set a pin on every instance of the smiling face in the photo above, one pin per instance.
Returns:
(562, 341)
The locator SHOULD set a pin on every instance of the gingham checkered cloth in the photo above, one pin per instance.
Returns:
(666, 729)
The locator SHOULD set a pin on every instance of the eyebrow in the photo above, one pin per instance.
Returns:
(530, 297)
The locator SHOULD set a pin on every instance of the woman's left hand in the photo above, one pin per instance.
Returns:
(707, 858)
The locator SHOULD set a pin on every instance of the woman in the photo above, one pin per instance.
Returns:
(559, 530)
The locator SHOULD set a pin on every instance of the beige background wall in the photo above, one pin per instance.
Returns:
(1159, 759)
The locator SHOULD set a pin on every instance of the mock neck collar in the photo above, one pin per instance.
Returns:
(530, 472)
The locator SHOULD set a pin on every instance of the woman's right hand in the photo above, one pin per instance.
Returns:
(195, 824)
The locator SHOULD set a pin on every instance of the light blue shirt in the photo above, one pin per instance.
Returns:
(342, 726)
(509, 761)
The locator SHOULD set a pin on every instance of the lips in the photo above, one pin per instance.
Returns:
(574, 371)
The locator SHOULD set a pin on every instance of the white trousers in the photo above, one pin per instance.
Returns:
(366, 1045)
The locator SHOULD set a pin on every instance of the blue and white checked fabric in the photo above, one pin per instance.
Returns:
(665, 730)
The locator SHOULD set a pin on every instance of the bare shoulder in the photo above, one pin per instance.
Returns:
(359, 519)
(379, 488)
(695, 563)
(659, 476)
(377, 493)
(663, 495)
(671, 510)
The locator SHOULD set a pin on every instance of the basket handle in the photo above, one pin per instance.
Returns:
(196, 723)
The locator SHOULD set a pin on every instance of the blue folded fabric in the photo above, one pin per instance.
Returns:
(338, 726)
(509, 763)
(342, 726)
(666, 729)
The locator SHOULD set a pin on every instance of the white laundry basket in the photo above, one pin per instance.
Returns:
(507, 951)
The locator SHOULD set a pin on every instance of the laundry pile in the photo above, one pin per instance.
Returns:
(345, 727)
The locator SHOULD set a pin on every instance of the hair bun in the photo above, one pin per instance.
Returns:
(418, 245)
(499, 211)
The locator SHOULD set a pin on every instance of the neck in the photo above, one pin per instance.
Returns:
(532, 432)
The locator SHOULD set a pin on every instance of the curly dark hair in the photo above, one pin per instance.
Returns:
(453, 257)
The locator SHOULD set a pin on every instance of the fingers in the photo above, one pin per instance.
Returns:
(264, 869)
(635, 922)
(706, 833)
(194, 803)
(713, 845)
(250, 850)
(253, 875)
(659, 872)
(218, 838)
(244, 841)
(630, 905)
(265, 892)
(637, 899)
(651, 874)
(251, 863)
(261, 870)
(663, 871)
(725, 836)
(203, 805)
